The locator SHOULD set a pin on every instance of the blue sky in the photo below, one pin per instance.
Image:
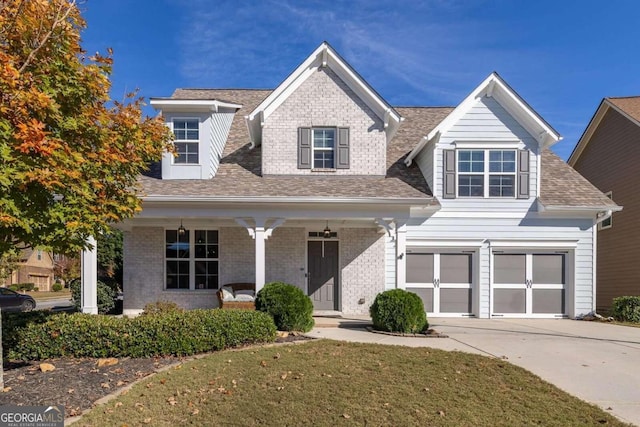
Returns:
(561, 56)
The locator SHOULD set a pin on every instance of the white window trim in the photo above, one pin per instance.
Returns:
(192, 141)
(192, 260)
(486, 173)
(601, 225)
(314, 148)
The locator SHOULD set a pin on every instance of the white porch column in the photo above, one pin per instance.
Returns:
(401, 254)
(260, 237)
(260, 233)
(89, 278)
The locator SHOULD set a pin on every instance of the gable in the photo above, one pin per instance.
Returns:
(324, 101)
(323, 57)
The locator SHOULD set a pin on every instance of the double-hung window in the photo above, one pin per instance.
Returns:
(324, 148)
(191, 259)
(486, 173)
(187, 140)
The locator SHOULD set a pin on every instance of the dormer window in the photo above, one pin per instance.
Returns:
(187, 140)
(486, 173)
(324, 147)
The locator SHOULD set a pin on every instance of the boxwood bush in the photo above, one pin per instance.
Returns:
(57, 287)
(626, 309)
(105, 296)
(397, 310)
(171, 333)
(290, 308)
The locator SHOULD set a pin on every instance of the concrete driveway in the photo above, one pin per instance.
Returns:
(597, 362)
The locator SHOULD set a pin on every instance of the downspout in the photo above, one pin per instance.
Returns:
(602, 216)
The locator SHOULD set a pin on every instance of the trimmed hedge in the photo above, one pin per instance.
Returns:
(27, 287)
(14, 322)
(160, 307)
(57, 287)
(290, 308)
(626, 309)
(172, 333)
(397, 310)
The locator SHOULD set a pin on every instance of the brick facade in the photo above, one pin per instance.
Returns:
(362, 259)
(323, 100)
(361, 263)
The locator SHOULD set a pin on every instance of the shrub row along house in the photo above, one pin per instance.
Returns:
(322, 184)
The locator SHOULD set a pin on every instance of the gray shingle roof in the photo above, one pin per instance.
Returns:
(240, 175)
(562, 185)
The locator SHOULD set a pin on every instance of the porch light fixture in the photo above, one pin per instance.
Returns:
(181, 229)
(327, 231)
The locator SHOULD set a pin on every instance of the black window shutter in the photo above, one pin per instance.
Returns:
(342, 149)
(449, 178)
(523, 174)
(304, 148)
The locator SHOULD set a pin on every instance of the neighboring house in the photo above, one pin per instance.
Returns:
(322, 184)
(607, 154)
(35, 266)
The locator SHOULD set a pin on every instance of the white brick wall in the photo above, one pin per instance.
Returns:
(361, 263)
(285, 256)
(323, 100)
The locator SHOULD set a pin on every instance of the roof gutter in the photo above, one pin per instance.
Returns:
(306, 200)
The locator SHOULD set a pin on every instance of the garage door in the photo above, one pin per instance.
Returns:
(444, 281)
(529, 285)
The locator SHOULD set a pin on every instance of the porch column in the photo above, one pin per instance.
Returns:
(260, 237)
(89, 278)
(401, 254)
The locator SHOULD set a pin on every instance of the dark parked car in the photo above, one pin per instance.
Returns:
(14, 301)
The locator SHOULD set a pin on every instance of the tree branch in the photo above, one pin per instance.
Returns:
(57, 21)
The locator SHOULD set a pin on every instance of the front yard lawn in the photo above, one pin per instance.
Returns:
(327, 383)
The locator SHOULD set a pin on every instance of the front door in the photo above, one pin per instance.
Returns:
(323, 274)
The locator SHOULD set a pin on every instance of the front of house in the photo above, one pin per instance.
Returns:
(322, 184)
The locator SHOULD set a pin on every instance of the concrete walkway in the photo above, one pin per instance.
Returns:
(597, 362)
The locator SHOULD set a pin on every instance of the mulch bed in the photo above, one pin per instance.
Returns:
(78, 383)
(430, 333)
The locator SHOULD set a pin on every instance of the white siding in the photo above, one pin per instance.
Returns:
(441, 227)
(486, 123)
(389, 262)
(424, 160)
(214, 130)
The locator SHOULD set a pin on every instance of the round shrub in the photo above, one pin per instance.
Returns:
(397, 310)
(626, 309)
(57, 287)
(106, 296)
(290, 308)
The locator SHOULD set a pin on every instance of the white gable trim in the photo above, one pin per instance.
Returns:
(604, 106)
(493, 86)
(323, 56)
(191, 104)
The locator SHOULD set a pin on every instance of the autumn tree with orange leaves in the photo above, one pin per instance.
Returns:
(69, 156)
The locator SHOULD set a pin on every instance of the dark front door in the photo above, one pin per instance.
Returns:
(323, 274)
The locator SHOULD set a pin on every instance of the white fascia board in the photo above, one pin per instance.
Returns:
(494, 86)
(445, 243)
(303, 200)
(576, 209)
(191, 104)
(324, 55)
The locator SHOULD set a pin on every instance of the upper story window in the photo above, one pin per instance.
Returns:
(187, 140)
(486, 173)
(607, 223)
(324, 148)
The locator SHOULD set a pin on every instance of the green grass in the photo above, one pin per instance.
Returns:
(43, 296)
(328, 383)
